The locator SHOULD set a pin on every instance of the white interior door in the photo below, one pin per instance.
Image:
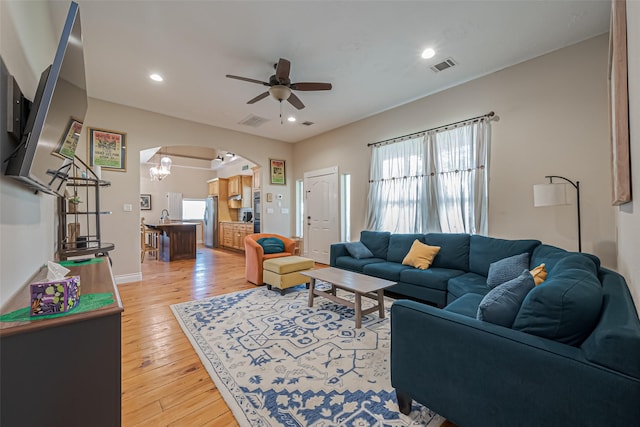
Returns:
(321, 213)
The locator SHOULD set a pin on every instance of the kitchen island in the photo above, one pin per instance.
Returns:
(177, 241)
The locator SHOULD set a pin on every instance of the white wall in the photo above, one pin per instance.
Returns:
(27, 228)
(553, 114)
(629, 214)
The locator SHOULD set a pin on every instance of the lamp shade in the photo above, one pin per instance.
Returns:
(549, 194)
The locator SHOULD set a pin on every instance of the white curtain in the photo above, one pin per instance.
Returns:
(431, 183)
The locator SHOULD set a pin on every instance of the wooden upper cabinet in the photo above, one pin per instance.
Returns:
(235, 185)
(256, 178)
(218, 187)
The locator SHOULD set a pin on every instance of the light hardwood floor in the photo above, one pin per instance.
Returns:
(163, 381)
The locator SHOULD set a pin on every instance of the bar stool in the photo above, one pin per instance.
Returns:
(149, 240)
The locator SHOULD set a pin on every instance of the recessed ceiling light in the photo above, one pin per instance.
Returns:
(156, 77)
(428, 53)
(291, 119)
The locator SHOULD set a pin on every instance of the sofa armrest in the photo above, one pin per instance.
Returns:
(336, 250)
(461, 367)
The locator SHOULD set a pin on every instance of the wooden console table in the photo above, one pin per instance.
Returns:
(66, 370)
(178, 240)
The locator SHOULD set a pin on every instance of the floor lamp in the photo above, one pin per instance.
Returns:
(553, 194)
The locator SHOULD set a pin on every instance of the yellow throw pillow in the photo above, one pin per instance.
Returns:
(539, 274)
(420, 255)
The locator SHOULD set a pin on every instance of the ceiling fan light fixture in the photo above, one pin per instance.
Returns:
(280, 92)
(291, 119)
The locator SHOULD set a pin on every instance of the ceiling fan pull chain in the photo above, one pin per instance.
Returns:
(281, 121)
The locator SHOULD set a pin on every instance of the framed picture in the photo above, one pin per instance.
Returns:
(619, 105)
(69, 142)
(107, 149)
(145, 202)
(277, 172)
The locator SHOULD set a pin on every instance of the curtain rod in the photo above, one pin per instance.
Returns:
(488, 115)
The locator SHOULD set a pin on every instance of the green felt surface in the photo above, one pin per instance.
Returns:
(88, 302)
(71, 263)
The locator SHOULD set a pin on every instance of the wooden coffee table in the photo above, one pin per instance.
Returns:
(360, 284)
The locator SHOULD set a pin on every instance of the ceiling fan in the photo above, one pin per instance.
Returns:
(280, 86)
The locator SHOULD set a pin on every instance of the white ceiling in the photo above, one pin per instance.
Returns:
(369, 51)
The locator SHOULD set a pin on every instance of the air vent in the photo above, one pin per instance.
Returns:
(253, 121)
(307, 123)
(447, 63)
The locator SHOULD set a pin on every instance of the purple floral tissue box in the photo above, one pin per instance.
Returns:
(54, 297)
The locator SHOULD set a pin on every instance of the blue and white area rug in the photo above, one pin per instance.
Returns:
(278, 362)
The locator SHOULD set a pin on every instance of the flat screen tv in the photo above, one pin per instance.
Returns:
(51, 134)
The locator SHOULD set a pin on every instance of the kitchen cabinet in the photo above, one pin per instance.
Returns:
(232, 234)
(244, 201)
(235, 185)
(218, 187)
(256, 178)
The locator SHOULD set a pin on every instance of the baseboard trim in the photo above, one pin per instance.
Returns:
(128, 278)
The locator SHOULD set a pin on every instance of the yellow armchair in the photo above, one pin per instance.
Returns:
(254, 255)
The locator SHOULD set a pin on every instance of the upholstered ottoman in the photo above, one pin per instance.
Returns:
(284, 272)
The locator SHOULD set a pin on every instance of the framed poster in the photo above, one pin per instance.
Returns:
(69, 142)
(107, 149)
(619, 105)
(145, 202)
(277, 172)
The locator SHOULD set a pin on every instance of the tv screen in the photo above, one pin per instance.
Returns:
(55, 121)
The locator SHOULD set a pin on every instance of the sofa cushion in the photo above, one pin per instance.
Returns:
(400, 245)
(466, 305)
(454, 250)
(271, 245)
(506, 269)
(358, 250)
(551, 255)
(420, 255)
(575, 260)
(385, 270)
(376, 241)
(485, 250)
(436, 278)
(564, 308)
(502, 303)
(354, 264)
(467, 283)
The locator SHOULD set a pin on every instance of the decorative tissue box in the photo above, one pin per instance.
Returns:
(52, 297)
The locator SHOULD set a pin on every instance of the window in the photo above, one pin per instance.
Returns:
(431, 183)
(193, 209)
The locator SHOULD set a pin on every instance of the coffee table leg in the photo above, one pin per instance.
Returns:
(381, 303)
(358, 310)
(312, 286)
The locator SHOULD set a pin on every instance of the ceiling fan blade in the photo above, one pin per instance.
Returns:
(295, 101)
(310, 86)
(246, 79)
(258, 98)
(282, 70)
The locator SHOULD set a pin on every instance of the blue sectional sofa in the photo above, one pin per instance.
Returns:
(571, 357)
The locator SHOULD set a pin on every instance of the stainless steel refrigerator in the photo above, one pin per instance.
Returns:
(211, 222)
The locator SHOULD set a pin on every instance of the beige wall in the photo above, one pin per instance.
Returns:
(146, 130)
(629, 214)
(552, 121)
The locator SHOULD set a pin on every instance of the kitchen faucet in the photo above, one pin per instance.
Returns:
(164, 215)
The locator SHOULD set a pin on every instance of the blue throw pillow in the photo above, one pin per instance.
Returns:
(506, 269)
(358, 250)
(502, 303)
(271, 245)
